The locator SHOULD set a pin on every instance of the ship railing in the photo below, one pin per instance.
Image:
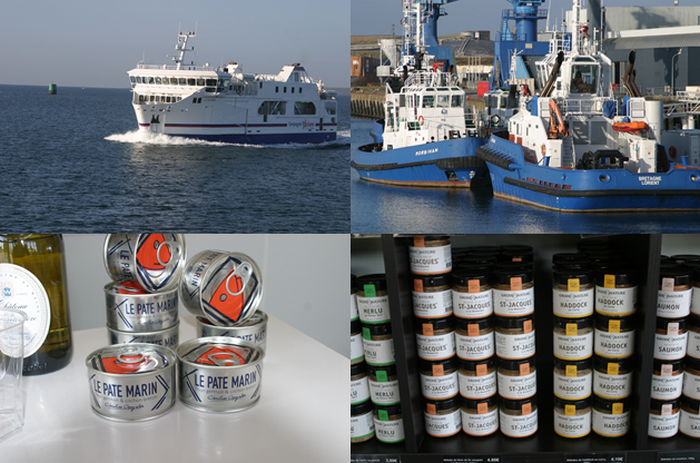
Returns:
(183, 67)
(590, 107)
(430, 79)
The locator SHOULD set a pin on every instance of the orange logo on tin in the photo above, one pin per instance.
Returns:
(224, 356)
(223, 300)
(124, 364)
(151, 253)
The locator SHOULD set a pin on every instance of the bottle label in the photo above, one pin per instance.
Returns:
(432, 305)
(572, 425)
(430, 261)
(514, 303)
(357, 351)
(691, 386)
(673, 304)
(439, 387)
(480, 424)
(517, 387)
(359, 391)
(514, 347)
(610, 425)
(379, 352)
(518, 425)
(361, 426)
(572, 387)
(616, 301)
(384, 393)
(612, 386)
(354, 315)
(472, 305)
(475, 347)
(573, 347)
(478, 387)
(617, 345)
(670, 347)
(572, 304)
(436, 347)
(22, 290)
(443, 425)
(663, 425)
(389, 431)
(373, 309)
(693, 349)
(666, 387)
(689, 424)
(695, 300)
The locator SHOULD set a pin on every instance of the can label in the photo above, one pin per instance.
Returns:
(478, 387)
(572, 387)
(573, 347)
(614, 345)
(480, 424)
(432, 305)
(666, 387)
(518, 425)
(663, 425)
(384, 393)
(373, 309)
(167, 338)
(357, 351)
(475, 347)
(439, 387)
(691, 385)
(616, 301)
(572, 303)
(514, 303)
(443, 425)
(514, 347)
(472, 305)
(693, 349)
(430, 261)
(673, 304)
(438, 347)
(253, 330)
(517, 387)
(379, 352)
(689, 424)
(610, 425)
(359, 391)
(22, 290)
(361, 426)
(572, 425)
(211, 387)
(612, 386)
(670, 347)
(388, 431)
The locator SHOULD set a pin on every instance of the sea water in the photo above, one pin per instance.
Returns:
(76, 162)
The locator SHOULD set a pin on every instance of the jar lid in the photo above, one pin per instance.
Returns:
(577, 365)
(696, 274)
(611, 405)
(479, 266)
(517, 248)
(624, 275)
(681, 276)
(605, 322)
(675, 365)
(361, 408)
(388, 409)
(523, 366)
(605, 364)
(368, 283)
(516, 256)
(475, 404)
(515, 266)
(426, 326)
(678, 324)
(488, 249)
(690, 404)
(475, 365)
(517, 404)
(573, 264)
(355, 327)
(434, 406)
(563, 275)
(463, 324)
(592, 244)
(379, 370)
(657, 405)
(417, 240)
(684, 258)
(580, 404)
(131, 359)
(564, 256)
(462, 276)
(581, 322)
(358, 369)
(430, 281)
(692, 363)
(431, 365)
(510, 323)
(503, 275)
(379, 329)
(353, 283)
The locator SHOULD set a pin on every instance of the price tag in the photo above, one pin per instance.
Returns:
(471, 459)
(375, 459)
(673, 457)
(603, 457)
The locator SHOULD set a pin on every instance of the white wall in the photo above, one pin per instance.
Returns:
(305, 277)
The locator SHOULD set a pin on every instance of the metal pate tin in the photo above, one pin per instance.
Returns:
(152, 261)
(131, 382)
(223, 287)
(220, 374)
(169, 337)
(254, 329)
(131, 309)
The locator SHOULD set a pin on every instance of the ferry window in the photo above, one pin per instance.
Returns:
(292, 89)
(402, 101)
(138, 79)
(443, 101)
(299, 89)
(182, 81)
(285, 90)
(456, 101)
(304, 107)
(173, 81)
(273, 108)
(200, 82)
(153, 97)
(261, 84)
(296, 77)
(428, 101)
(150, 80)
(190, 81)
(277, 89)
(167, 99)
(583, 78)
(211, 82)
(330, 107)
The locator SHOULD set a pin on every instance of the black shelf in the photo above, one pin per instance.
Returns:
(643, 251)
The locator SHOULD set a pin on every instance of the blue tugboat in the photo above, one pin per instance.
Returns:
(423, 139)
(576, 148)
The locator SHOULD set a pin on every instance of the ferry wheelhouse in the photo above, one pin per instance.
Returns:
(227, 105)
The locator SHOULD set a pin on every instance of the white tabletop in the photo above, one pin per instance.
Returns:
(302, 415)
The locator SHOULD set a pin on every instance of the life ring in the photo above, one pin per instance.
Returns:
(421, 120)
(544, 150)
(495, 119)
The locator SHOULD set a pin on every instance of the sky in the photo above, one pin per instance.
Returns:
(93, 43)
(369, 17)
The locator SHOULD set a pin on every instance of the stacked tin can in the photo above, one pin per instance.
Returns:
(378, 344)
(142, 299)
(430, 259)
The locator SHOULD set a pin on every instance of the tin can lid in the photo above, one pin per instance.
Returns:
(581, 322)
(231, 290)
(463, 324)
(563, 275)
(680, 275)
(432, 281)
(426, 326)
(375, 280)
(219, 351)
(461, 276)
(676, 324)
(503, 276)
(130, 359)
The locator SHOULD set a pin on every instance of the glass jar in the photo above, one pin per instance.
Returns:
(430, 255)
(616, 291)
(388, 424)
(664, 417)
(480, 417)
(667, 379)
(475, 338)
(612, 379)
(354, 315)
(572, 418)
(359, 386)
(477, 380)
(513, 292)
(573, 379)
(442, 417)
(517, 379)
(671, 338)
(689, 423)
(610, 418)
(518, 418)
(614, 337)
(435, 338)
(675, 293)
(693, 349)
(357, 351)
(439, 379)
(361, 422)
(515, 337)
(691, 378)
(383, 385)
(378, 343)
(372, 299)
(573, 338)
(695, 294)
(432, 296)
(472, 294)
(572, 293)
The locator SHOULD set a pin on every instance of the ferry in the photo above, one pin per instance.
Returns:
(575, 147)
(424, 139)
(224, 104)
